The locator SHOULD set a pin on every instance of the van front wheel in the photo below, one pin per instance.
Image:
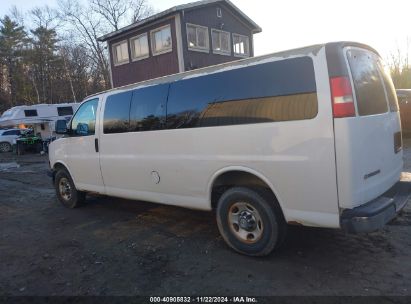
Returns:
(66, 192)
(250, 221)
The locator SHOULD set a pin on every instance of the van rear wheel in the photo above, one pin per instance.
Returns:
(66, 192)
(250, 221)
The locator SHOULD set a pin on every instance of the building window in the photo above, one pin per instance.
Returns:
(221, 42)
(120, 53)
(241, 45)
(219, 13)
(197, 37)
(139, 47)
(161, 41)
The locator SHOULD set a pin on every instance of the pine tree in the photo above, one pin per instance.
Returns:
(44, 62)
(13, 39)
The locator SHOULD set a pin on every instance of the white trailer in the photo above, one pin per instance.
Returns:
(40, 117)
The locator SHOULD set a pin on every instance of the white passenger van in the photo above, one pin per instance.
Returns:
(309, 137)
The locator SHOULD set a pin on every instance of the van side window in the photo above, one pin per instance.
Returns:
(117, 113)
(277, 91)
(368, 84)
(84, 121)
(148, 108)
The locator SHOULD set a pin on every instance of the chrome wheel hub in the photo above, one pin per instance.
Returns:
(65, 189)
(245, 222)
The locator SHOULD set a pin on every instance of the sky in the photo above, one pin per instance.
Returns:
(287, 24)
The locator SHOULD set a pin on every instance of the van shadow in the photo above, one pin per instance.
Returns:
(176, 244)
(302, 242)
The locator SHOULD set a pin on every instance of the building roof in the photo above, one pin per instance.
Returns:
(255, 28)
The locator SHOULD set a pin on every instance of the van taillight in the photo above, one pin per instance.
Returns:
(343, 101)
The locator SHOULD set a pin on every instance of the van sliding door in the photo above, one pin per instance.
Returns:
(130, 140)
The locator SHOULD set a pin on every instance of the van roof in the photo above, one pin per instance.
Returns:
(312, 49)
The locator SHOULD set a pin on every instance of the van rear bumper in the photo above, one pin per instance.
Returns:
(376, 213)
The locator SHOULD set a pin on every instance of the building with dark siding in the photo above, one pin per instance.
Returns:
(182, 38)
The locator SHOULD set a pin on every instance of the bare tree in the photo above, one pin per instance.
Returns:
(141, 10)
(56, 56)
(88, 27)
(118, 12)
(99, 18)
(64, 53)
(113, 11)
(17, 15)
(400, 69)
(45, 17)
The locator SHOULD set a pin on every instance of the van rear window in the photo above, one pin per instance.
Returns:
(368, 84)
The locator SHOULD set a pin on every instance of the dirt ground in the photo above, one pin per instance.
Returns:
(118, 247)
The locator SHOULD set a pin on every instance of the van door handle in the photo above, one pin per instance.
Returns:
(96, 144)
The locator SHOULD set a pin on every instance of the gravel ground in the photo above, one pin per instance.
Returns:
(119, 247)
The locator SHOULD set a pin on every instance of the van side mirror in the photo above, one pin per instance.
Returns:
(61, 126)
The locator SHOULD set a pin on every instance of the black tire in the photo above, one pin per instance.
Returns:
(70, 197)
(269, 224)
(5, 147)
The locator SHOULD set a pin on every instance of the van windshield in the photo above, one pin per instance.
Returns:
(373, 86)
